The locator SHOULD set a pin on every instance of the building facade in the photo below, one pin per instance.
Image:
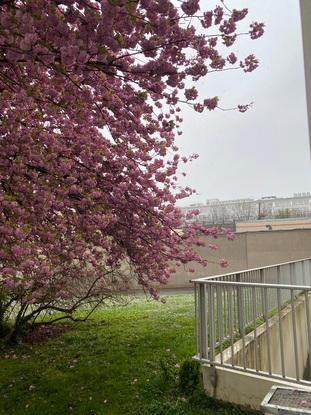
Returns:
(216, 211)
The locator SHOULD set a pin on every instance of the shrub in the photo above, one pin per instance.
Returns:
(190, 377)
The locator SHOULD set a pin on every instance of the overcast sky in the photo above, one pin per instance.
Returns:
(266, 150)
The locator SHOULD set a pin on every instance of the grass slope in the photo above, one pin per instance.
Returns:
(121, 362)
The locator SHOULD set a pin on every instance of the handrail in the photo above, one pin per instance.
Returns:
(248, 270)
(258, 285)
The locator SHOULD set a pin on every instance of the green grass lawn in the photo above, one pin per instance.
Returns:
(120, 362)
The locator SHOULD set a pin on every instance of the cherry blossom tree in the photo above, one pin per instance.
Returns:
(90, 105)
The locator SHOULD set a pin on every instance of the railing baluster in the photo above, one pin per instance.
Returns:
(196, 318)
(203, 338)
(266, 318)
(242, 328)
(231, 323)
(262, 279)
(220, 320)
(240, 306)
(304, 272)
(225, 311)
(248, 319)
(308, 328)
(281, 332)
(212, 323)
(227, 317)
(235, 310)
(294, 333)
(255, 327)
(246, 302)
(258, 296)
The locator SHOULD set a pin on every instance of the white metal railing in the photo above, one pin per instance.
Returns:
(238, 306)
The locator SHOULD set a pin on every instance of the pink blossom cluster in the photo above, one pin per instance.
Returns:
(89, 102)
(238, 15)
(249, 64)
(257, 30)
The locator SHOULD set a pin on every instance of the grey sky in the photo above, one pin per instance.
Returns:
(266, 150)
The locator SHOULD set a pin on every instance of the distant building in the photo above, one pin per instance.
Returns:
(285, 207)
(216, 211)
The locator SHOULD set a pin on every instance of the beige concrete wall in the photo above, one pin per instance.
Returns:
(234, 251)
(268, 248)
(305, 7)
(248, 250)
(274, 224)
(241, 388)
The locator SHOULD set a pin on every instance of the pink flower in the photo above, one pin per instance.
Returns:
(249, 64)
(228, 27)
(198, 107)
(191, 94)
(257, 30)
(243, 108)
(207, 19)
(190, 7)
(218, 13)
(223, 263)
(232, 59)
(239, 14)
(211, 103)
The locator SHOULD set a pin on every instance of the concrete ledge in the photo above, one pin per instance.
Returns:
(240, 388)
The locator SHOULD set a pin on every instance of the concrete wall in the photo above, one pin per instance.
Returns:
(273, 224)
(248, 250)
(275, 247)
(305, 7)
(250, 389)
(241, 388)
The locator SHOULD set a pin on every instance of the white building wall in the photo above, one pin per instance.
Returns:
(227, 211)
